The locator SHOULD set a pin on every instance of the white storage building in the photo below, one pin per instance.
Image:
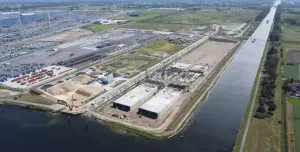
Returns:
(135, 97)
(160, 105)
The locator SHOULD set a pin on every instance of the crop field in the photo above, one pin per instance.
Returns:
(158, 26)
(287, 16)
(292, 71)
(99, 27)
(208, 17)
(296, 113)
(162, 46)
(143, 15)
(291, 33)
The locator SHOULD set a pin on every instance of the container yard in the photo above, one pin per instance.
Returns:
(35, 77)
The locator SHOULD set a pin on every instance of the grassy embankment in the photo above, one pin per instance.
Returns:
(265, 134)
(33, 107)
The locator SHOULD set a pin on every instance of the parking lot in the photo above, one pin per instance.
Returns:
(83, 50)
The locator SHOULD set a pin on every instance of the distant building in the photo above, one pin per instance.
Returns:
(133, 14)
(166, 9)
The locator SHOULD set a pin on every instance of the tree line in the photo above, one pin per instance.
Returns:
(267, 104)
(262, 14)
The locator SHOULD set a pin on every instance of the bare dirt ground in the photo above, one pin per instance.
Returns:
(290, 126)
(67, 35)
(208, 53)
(76, 88)
(5, 93)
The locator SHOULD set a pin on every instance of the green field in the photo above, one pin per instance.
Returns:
(292, 71)
(158, 26)
(162, 46)
(129, 64)
(291, 33)
(208, 17)
(99, 27)
(287, 16)
(296, 112)
(144, 15)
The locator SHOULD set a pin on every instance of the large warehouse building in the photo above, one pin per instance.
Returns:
(160, 105)
(136, 97)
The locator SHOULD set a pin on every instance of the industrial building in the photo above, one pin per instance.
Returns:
(134, 98)
(160, 105)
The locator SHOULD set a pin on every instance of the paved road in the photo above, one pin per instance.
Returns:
(261, 34)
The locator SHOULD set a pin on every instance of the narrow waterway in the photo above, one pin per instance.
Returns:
(213, 128)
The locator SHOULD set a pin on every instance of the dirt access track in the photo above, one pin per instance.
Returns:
(66, 35)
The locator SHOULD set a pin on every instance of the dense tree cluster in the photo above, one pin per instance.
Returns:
(266, 99)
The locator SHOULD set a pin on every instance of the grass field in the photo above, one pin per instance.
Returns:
(287, 16)
(158, 26)
(208, 17)
(292, 71)
(162, 46)
(296, 112)
(265, 134)
(144, 15)
(291, 33)
(130, 64)
(99, 27)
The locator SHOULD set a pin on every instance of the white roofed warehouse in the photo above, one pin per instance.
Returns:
(137, 96)
(160, 105)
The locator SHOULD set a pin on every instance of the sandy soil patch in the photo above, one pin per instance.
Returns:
(5, 93)
(208, 53)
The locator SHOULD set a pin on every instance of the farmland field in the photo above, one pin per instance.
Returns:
(292, 71)
(208, 17)
(158, 26)
(291, 34)
(144, 15)
(296, 113)
(162, 46)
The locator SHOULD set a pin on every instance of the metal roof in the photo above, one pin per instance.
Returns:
(137, 94)
(162, 101)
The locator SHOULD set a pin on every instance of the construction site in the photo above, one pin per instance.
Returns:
(153, 103)
(145, 80)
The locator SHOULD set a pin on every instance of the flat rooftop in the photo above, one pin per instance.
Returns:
(163, 100)
(137, 94)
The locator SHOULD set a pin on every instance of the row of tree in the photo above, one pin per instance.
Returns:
(262, 14)
(266, 99)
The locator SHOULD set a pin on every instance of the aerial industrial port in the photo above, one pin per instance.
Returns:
(148, 80)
